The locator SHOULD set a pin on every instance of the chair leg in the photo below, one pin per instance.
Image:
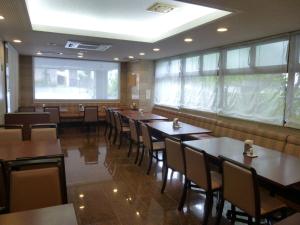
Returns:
(106, 128)
(115, 136)
(109, 132)
(142, 156)
(150, 162)
(137, 153)
(183, 194)
(130, 148)
(220, 211)
(165, 176)
(233, 214)
(207, 208)
(120, 140)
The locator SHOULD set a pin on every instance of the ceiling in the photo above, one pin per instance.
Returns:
(249, 20)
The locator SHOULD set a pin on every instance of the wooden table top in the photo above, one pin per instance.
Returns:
(26, 149)
(291, 220)
(272, 165)
(55, 215)
(167, 128)
(146, 116)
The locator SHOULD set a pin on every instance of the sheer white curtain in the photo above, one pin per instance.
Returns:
(12, 78)
(254, 82)
(201, 82)
(293, 97)
(168, 83)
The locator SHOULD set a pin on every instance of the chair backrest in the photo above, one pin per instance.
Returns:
(134, 135)
(3, 194)
(107, 115)
(112, 118)
(26, 109)
(54, 113)
(11, 133)
(36, 184)
(174, 155)
(90, 114)
(240, 187)
(43, 132)
(117, 121)
(146, 136)
(197, 169)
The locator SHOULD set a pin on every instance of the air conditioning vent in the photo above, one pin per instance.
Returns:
(159, 7)
(87, 46)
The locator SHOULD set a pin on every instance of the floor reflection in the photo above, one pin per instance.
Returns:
(106, 187)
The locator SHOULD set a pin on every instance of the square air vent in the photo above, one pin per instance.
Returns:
(87, 46)
(159, 7)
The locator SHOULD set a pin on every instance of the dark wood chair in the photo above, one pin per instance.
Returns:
(121, 130)
(35, 183)
(153, 147)
(90, 116)
(107, 121)
(54, 114)
(197, 171)
(135, 138)
(43, 132)
(240, 188)
(174, 159)
(3, 191)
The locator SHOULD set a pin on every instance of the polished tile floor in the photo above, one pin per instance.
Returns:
(107, 188)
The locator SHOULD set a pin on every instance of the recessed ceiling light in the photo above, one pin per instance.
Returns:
(222, 29)
(156, 49)
(142, 53)
(2, 17)
(60, 53)
(39, 53)
(80, 53)
(130, 57)
(116, 59)
(17, 41)
(188, 39)
(80, 56)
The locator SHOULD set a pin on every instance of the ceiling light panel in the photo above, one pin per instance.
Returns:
(126, 19)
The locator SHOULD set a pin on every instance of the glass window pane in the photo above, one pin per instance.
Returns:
(75, 79)
(192, 64)
(271, 54)
(238, 58)
(175, 67)
(211, 62)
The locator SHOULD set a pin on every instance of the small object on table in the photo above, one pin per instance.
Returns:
(251, 153)
(247, 146)
(176, 123)
(141, 111)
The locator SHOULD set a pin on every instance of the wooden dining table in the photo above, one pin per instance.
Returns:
(271, 165)
(291, 220)
(141, 116)
(167, 129)
(55, 215)
(13, 150)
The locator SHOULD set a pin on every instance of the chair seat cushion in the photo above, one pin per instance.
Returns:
(216, 180)
(269, 203)
(158, 146)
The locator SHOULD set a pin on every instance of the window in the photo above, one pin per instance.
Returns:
(168, 83)
(248, 82)
(251, 93)
(293, 96)
(68, 79)
(201, 85)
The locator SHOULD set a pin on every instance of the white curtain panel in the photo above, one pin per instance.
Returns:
(293, 96)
